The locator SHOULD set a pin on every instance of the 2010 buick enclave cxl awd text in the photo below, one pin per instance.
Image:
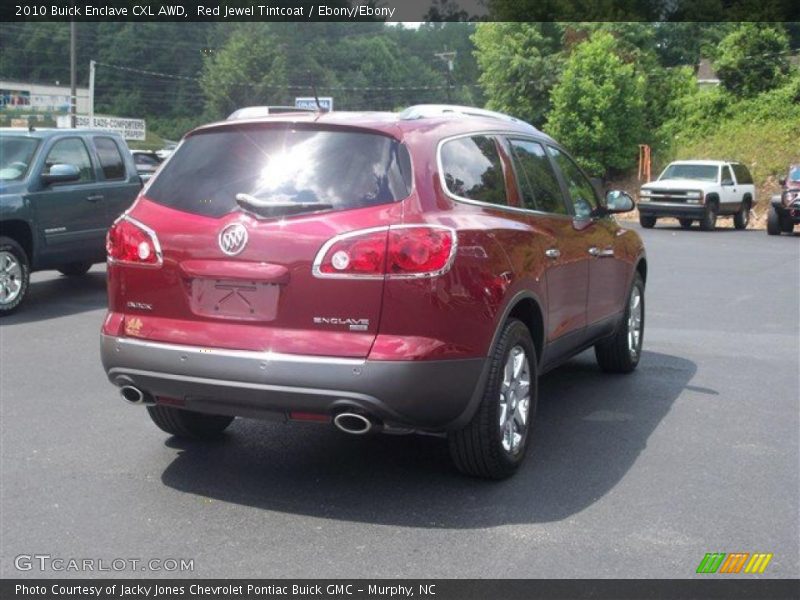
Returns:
(413, 271)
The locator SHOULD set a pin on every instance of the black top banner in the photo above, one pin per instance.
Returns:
(380, 589)
(402, 10)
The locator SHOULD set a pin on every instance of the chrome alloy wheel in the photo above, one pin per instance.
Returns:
(635, 322)
(10, 277)
(515, 399)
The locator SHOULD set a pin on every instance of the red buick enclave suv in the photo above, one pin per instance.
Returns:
(412, 271)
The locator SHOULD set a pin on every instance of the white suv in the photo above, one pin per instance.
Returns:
(699, 190)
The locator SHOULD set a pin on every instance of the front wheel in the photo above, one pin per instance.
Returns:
(620, 353)
(647, 222)
(773, 222)
(186, 423)
(742, 218)
(709, 220)
(15, 275)
(493, 443)
(75, 269)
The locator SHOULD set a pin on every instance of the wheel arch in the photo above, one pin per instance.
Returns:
(526, 307)
(19, 231)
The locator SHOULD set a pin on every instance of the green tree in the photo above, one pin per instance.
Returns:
(250, 69)
(753, 59)
(599, 107)
(519, 63)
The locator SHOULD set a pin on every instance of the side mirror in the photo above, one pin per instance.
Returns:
(618, 201)
(61, 173)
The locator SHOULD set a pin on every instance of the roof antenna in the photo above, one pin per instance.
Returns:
(314, 90)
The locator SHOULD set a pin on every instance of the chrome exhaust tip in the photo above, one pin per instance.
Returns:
(134, 395)
(353, 423)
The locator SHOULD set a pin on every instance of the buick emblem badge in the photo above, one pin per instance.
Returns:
(233, 239)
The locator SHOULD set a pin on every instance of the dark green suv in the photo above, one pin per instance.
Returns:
(60, 190)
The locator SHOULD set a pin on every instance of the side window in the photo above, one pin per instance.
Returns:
(540, 188)
(71, 151)
(110, 158)
(472, 169)
(727, 177)
(581, 190)
(742, 174)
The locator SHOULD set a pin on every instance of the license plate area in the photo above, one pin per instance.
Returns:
(234, 299)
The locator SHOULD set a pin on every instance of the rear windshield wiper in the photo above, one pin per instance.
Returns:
(247, 201)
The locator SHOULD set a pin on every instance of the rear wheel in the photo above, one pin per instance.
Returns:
(620, 353)
(773, 222)
(786, 225)
(14, 275)
(186, 423)
(493, 443)
(686, 223)
(709, 220)
(75, 269)
(742, 218)
(647, 222)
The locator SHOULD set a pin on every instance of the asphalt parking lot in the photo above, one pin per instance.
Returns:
(629, 476)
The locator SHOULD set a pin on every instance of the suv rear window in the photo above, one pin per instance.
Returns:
(278, 171)
(742, 174)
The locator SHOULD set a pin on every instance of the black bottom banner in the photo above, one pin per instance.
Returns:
(380, 589)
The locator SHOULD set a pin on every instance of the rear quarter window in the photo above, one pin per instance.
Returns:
(287, 171)
(472, 169)
(742, 174)
(110, 158)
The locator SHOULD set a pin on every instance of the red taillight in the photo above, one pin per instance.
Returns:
(401, 251)
(130, 242)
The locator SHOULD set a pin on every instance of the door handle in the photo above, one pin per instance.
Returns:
(552, 253)
(95, 198)
(595, 251)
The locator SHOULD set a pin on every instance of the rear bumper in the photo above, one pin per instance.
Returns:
(671, 209)
(429, 395)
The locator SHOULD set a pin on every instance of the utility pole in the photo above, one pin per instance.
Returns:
(92, 67)
(449, 58)
(73, 77)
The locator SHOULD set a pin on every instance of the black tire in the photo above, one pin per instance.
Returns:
(647, 222)
(686, 223)
(742, 218)
(15, 275)
(773, 222)
(615, 354)
(75, 269)
(709, 220)
(188, 424)
(787, 226)
(478, 449)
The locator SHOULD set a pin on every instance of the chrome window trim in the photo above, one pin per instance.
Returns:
(481, 203)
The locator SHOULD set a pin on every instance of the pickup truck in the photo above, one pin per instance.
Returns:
(699, 190)
(60, 191)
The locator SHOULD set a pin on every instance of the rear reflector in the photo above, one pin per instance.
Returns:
(133, 243)
(297, 415)
(403, 251)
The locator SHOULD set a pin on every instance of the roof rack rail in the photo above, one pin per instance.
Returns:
(422, 111)
(253, 112)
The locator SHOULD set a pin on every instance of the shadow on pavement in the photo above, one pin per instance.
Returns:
(52, 295)
(589, 431)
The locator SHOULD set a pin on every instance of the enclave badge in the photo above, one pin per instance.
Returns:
(233, 239)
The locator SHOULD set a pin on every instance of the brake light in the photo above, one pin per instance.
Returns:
(130, 242)
(394, 252)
